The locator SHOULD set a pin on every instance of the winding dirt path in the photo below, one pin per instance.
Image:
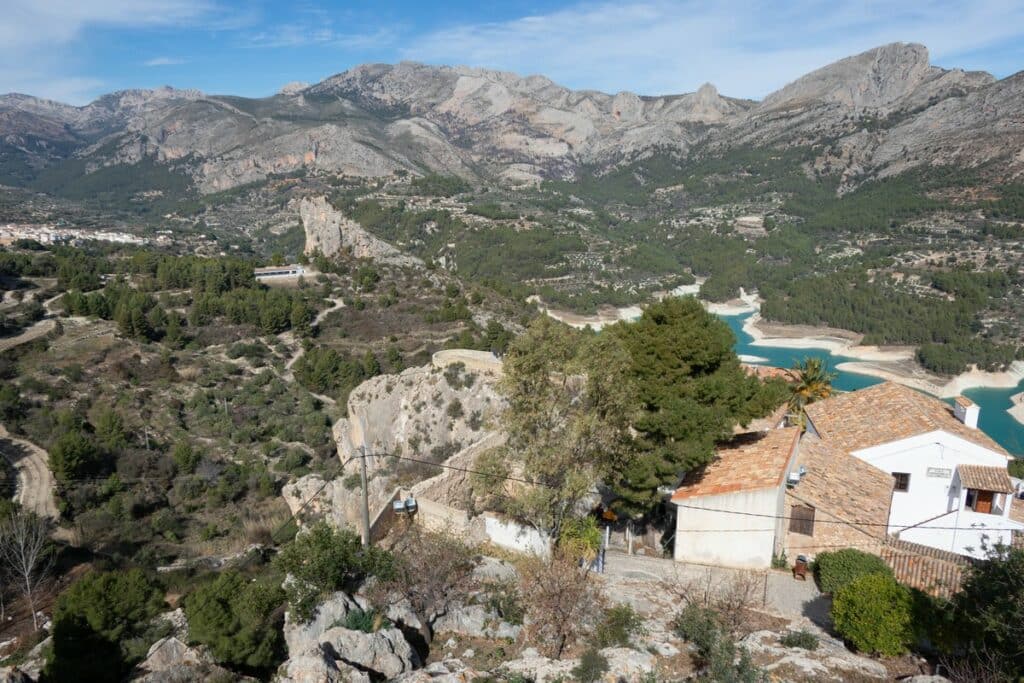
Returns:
(35, 481)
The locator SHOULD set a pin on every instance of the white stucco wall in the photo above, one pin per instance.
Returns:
(933, 505)
(512, 536)
(729, 539)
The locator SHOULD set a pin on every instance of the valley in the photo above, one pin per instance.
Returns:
(231, 327)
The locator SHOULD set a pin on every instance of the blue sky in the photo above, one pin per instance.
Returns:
(74, 50)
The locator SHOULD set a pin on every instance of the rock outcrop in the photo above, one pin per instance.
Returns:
(425, 414)
(385, 652)
(830, 661)
(475, 621)
(170, 660)
(328, 232)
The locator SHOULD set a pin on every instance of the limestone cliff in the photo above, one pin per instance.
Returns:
(425, 415)
(329, 232)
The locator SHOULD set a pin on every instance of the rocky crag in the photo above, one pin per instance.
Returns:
(329, 232)
(425, 415)
(881, 112)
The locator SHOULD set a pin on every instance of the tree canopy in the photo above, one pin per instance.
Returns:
(691, 392)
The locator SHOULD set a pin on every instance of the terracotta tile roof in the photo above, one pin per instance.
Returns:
(964, 401)
(843, 486)
(928, 569)
(985, 478)
(749, 462)
(884, 413)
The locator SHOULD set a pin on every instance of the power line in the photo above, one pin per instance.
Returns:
(847, 523)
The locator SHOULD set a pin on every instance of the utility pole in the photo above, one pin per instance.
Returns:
(366, 501)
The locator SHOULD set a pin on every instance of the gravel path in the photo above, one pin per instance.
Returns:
(35, 481)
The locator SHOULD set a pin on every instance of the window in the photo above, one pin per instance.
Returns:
(901, 481)
(801, 520)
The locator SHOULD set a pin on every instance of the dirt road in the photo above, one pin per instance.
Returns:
(35, 481)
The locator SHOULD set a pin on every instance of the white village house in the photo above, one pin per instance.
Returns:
(877, 468)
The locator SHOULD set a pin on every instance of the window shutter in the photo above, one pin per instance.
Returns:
(801, 520)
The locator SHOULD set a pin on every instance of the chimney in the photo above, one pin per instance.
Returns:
(966, 411)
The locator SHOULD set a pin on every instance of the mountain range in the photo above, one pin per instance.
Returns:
(875, 114)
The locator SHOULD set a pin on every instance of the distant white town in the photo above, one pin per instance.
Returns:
(51, 234)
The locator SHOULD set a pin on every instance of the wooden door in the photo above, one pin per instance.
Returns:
(983, 503)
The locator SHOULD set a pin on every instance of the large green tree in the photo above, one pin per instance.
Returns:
(691, 392)
(570, 404)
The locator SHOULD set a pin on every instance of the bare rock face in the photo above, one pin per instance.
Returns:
(446, 671)
(871, 80)
(425, 414)
(385, 652)
(830, 661)
(328, 231)
(437, 413)
(303, 637)
(170, 660)
(11, 674)
(475, 621)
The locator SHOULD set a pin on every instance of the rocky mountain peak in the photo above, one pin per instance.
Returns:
(874, 79)
(707, 93)
(293, 88)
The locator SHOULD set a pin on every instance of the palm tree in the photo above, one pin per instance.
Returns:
(810, 381)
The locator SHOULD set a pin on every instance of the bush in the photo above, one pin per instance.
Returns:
(235, 619)
(620, 625)
(802, 639)
(873, 613)
(99, 626)
(503, 598)
(724, 664)
(455, 409)
(592, 667)
(367, 621)
(833, 570)
(325, 560)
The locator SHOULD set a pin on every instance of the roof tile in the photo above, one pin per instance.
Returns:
(884, 413)
(749, 462)
(985, 478)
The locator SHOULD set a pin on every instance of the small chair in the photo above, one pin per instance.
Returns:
(800, 568)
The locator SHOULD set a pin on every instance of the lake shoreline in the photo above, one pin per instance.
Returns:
(890, 363)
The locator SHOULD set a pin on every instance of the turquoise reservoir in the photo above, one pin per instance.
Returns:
(994, 419)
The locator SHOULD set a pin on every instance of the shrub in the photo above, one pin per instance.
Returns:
(833, 570)
(186, 459)
(873, 613)
(620, 625)
(99, 624)
(236, 619)
(325, 560)
(592, 667)
(699, 626)
(803, 639)
(455, 409)
(367, 621)
(503, 598)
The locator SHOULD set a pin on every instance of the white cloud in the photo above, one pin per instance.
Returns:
(305, 34)
(747, 49)
(163, 61)
(35, 33)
